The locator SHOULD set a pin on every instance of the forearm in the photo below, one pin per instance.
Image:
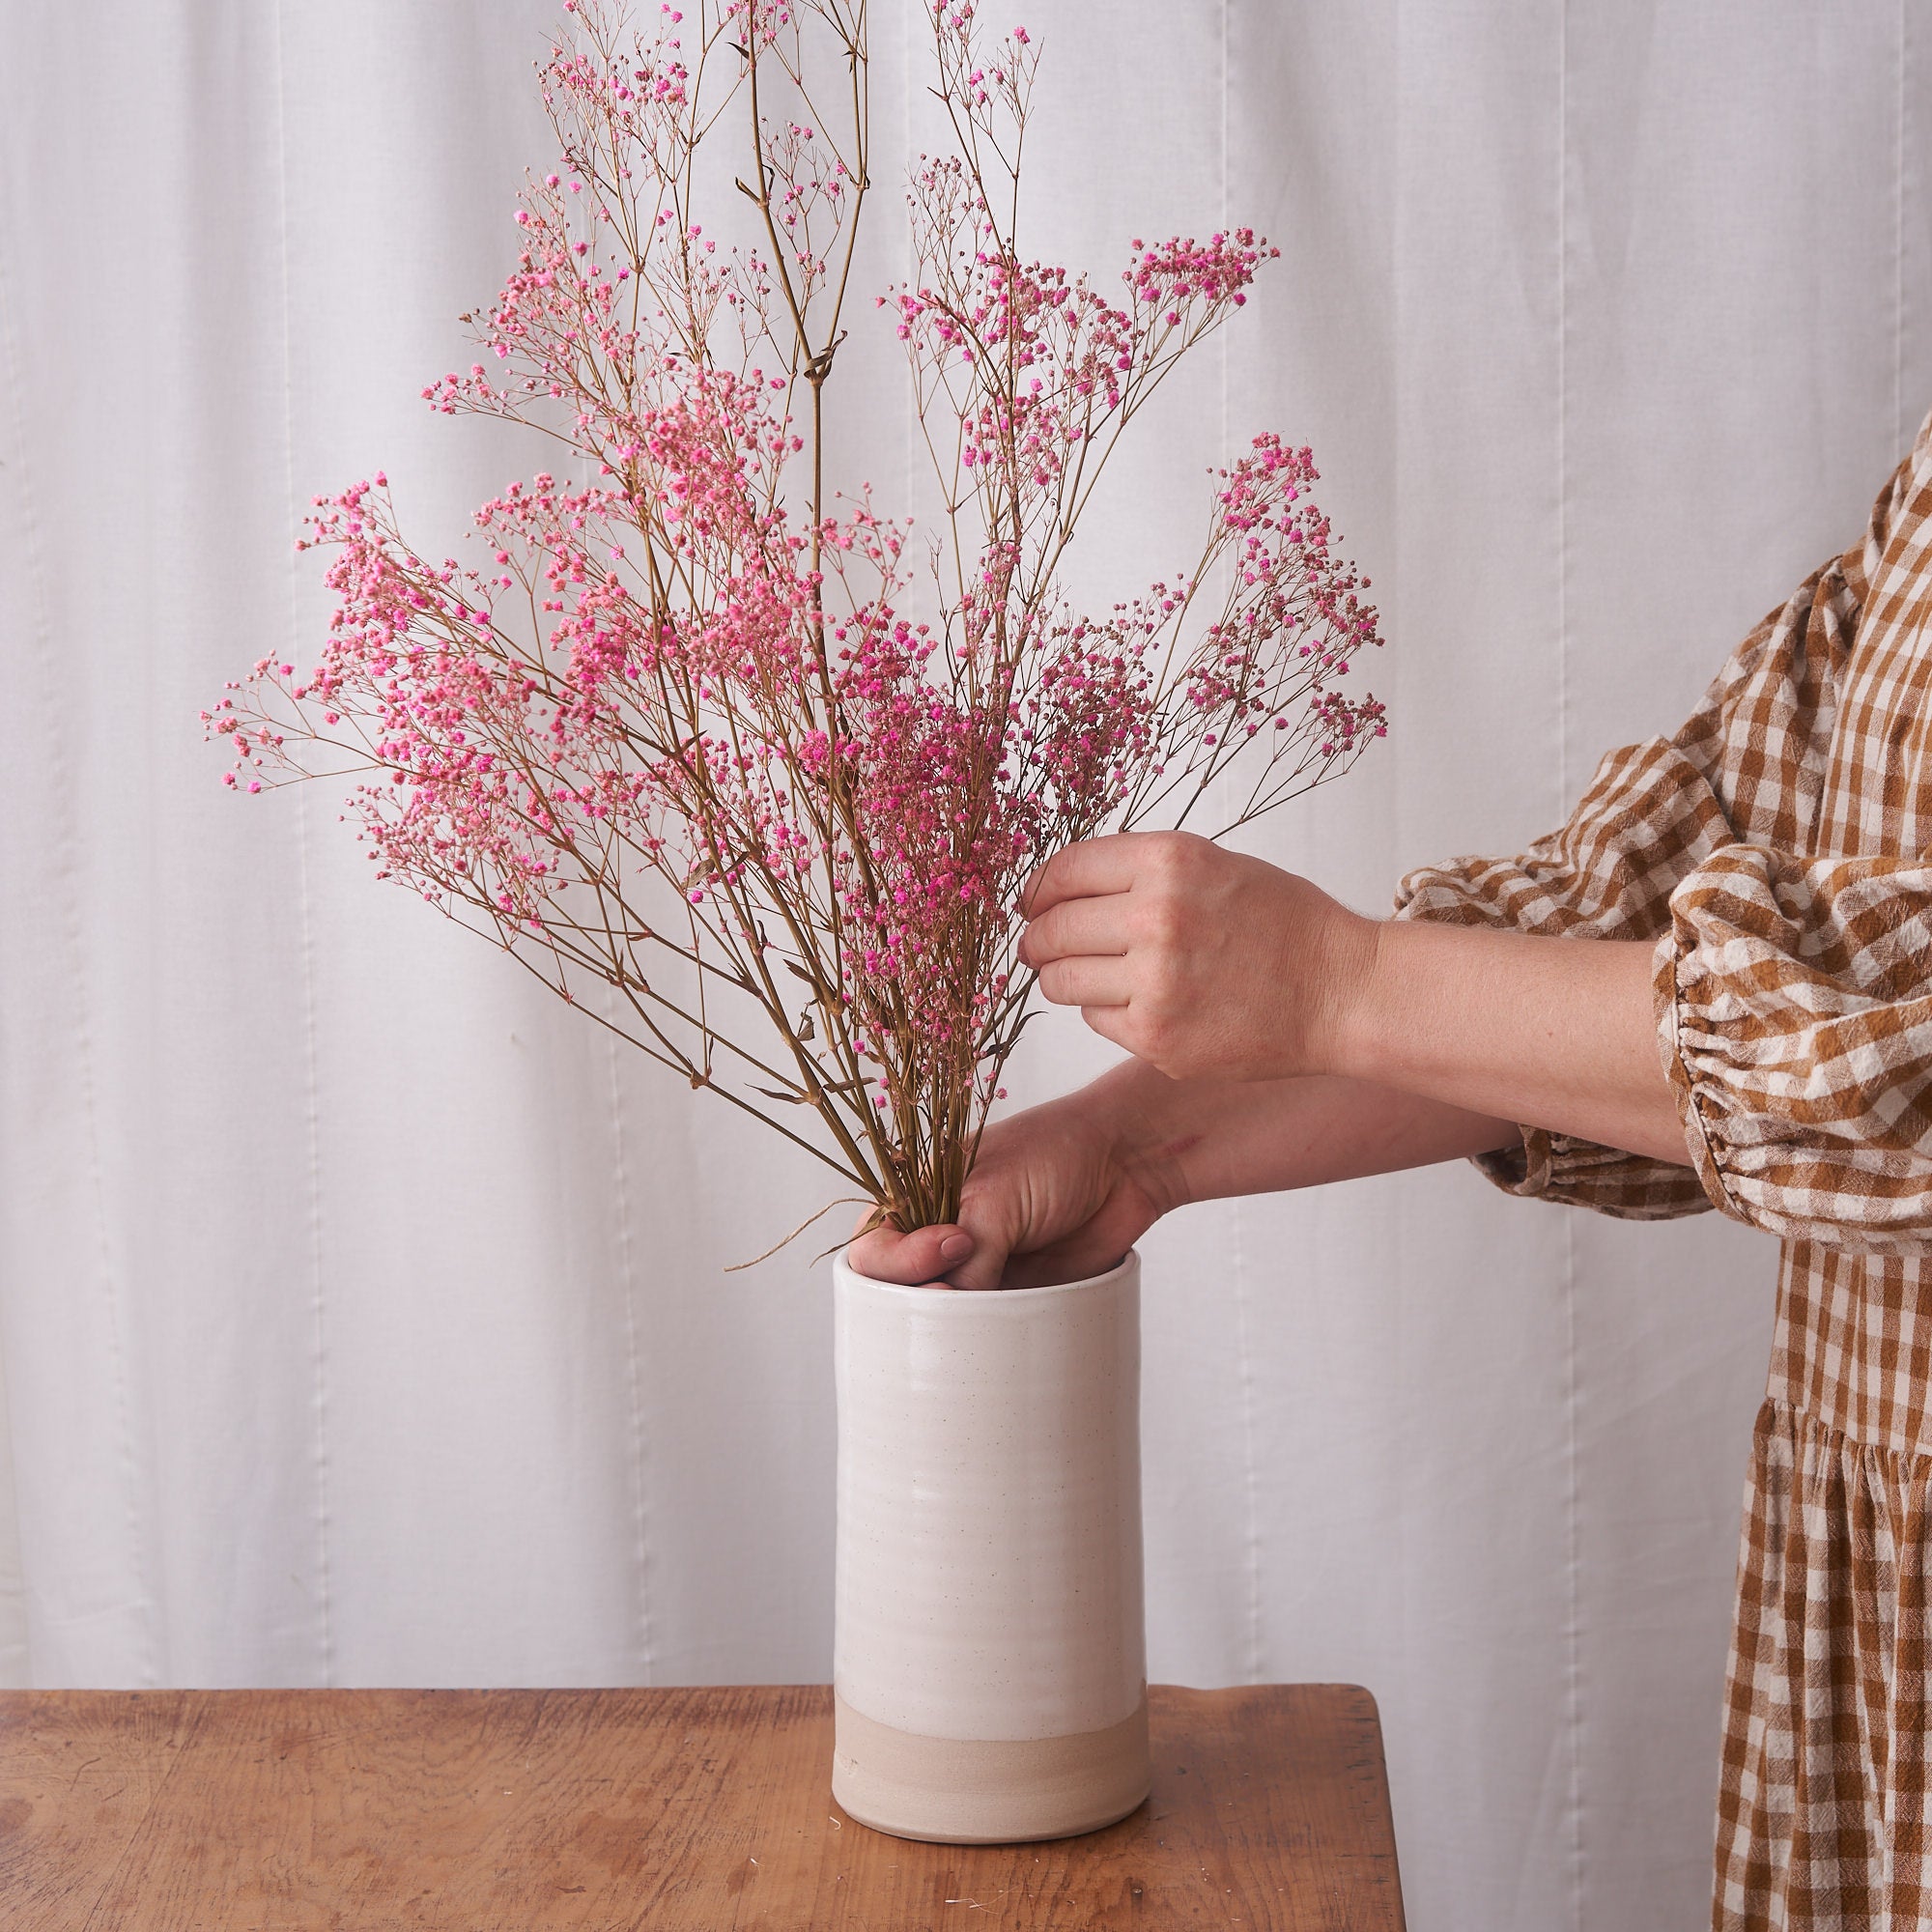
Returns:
(1553, 1032)
(1199, 1140)
(1299, 1041)
(1447, 1037)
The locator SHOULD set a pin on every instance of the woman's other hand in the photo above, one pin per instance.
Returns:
(1204, 963)
(1059, 1192)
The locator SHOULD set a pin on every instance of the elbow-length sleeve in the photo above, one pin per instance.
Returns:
(1657, 849)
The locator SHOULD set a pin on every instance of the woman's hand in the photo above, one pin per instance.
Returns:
(1062, 1191)
(1213, 967)
(1059, 1192)
(1204, 963)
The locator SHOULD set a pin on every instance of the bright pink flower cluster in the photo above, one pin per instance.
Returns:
(681, 731)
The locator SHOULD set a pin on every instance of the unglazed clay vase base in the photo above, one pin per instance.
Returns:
(978, 1791)
(989, 1657)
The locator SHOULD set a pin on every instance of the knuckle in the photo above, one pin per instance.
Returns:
(1165, 854)
(1162, 922)
(1159, 986)
(1179, 850)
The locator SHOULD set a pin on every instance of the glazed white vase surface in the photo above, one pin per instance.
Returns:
(989, 1591)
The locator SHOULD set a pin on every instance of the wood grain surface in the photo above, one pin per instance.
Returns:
(707, 1810)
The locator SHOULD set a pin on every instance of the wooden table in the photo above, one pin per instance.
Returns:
(524, 1811)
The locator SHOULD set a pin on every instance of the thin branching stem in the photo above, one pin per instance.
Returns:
(740, 758)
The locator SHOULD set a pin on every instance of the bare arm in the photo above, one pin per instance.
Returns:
(1556, 1033)
(1281, 1040)
(1207, 963)
(1063, 1190)
(1199, 1140)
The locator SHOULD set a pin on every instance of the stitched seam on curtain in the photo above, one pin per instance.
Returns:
(17, 1657)
(1573, 1635)
(627, 1274)
(63, 852)
(910, 276)
(311, 1064)
(639, 1436)
(13, 1557)
(1251, 1665)
(1902, 429)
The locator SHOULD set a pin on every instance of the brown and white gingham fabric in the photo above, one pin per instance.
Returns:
(1779, 849)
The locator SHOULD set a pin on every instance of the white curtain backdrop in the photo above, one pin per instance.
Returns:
(363, 1316)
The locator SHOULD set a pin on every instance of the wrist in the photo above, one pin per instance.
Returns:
(1351, 1040)
(1141, 1115)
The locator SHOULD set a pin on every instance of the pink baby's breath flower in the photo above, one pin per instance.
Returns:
(774, 762)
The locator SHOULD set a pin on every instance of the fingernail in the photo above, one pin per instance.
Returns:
(956, 1247)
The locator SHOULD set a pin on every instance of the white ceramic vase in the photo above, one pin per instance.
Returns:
(990, 1660)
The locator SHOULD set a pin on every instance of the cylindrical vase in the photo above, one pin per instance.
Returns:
(990, 1661)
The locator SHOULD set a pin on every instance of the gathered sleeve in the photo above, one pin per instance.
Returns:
(1765, 960)
(1795, 1001)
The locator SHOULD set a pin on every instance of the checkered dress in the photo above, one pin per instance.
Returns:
(1777, 850)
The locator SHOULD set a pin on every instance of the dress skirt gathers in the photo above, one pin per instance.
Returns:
(1778, 850)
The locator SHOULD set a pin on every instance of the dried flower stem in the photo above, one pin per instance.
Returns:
(674, 724)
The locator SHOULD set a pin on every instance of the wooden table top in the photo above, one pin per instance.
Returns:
(666, 1809)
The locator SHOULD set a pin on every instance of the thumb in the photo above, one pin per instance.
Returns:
(923, 1256)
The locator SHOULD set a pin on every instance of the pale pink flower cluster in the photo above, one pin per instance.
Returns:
(691, 736)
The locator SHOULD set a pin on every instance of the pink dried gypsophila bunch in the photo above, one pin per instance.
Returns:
(684, 737)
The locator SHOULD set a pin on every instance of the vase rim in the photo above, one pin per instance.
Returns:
(1130, 1261)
